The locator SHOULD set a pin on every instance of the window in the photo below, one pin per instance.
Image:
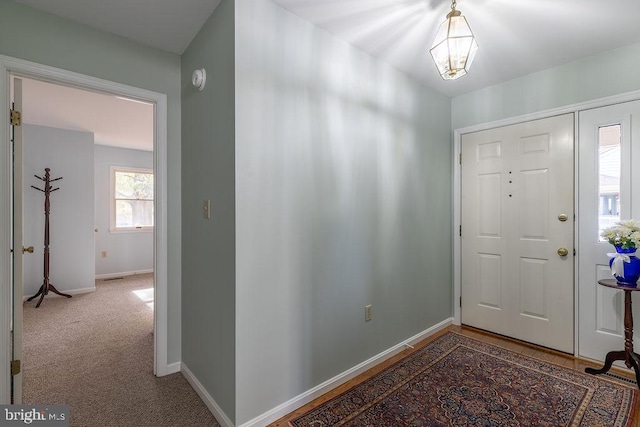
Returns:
(609, 166)
(131, 199)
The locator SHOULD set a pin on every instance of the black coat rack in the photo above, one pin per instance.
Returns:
(46, 286)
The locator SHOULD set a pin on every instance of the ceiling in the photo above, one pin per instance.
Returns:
(516, 37)
(169, 25)
(114, 121)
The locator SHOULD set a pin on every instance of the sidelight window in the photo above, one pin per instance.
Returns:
(609, 167)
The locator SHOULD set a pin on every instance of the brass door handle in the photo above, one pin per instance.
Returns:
(29, 249)
(563, 217)
(563, 251)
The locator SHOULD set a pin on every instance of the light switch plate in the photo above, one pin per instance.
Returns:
(368, 312)
(206, 209)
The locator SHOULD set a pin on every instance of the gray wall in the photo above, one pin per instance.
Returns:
(343, 198)
(47, 39)
(69, 154)
(127, 252)
(610, 73)
(208, 246)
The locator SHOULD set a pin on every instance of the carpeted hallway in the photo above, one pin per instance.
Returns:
(94, 352)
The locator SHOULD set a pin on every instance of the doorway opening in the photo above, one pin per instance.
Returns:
(10, 68)
(98, 149)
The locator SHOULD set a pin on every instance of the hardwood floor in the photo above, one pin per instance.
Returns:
(511, 344)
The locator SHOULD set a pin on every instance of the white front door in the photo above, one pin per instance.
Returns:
(18, 253)
(608, 157)
(517, 217)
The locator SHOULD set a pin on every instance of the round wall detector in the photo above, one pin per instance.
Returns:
(199, 78)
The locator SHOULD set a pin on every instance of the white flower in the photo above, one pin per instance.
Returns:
(631, 223)
(624, 233)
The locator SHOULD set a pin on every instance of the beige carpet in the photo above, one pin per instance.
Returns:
(94, 352)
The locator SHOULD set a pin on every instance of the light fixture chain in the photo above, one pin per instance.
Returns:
(453, 5)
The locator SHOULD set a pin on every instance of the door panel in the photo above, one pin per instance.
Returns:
(609, 146)
(482, 218)
(516, 180)
(533, 277)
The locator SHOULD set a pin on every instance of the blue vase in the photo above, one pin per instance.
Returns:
(631, 270)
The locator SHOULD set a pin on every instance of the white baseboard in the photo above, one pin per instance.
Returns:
(121, 274)
(217, 412)
(65, 291)
(171, 368)
(306, 397)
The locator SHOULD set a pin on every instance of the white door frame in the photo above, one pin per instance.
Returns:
(23, 68)
(457, 183)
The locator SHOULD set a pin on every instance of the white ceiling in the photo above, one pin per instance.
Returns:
(169, 25)
(516, 37)
(114, 121)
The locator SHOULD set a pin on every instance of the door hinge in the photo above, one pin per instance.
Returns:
(574, 251)
(460, 302)
(15, 118)
(460, 231)
(460, 158)
(15, 367)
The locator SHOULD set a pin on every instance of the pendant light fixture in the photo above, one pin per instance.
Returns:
(455, 46)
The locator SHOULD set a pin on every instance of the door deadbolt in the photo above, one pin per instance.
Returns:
(563, 217)
(563, 251)
(29, 249)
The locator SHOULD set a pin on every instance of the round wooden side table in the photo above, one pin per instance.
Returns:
(631, 359)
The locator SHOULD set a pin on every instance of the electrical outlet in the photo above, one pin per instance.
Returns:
(368, 315)
(104, 254)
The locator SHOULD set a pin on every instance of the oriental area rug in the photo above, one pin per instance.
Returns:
(459, 381)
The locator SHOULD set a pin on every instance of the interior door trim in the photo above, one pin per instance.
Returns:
(18, 67)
